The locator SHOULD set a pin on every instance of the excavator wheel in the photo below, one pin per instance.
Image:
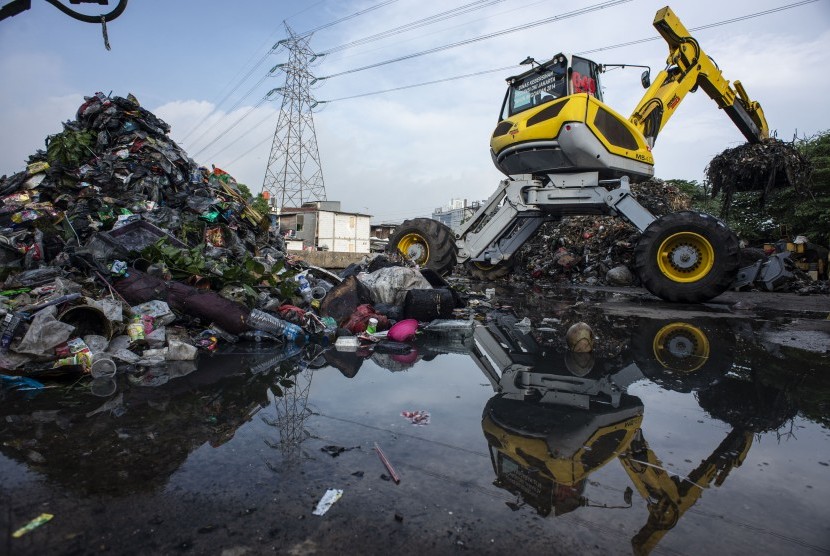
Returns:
(687, 256)
(683, 356)
(489, 272)
(426, 242)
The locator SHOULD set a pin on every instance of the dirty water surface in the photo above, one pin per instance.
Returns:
(704, 431)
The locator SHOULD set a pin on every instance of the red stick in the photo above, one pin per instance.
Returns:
(388, 465)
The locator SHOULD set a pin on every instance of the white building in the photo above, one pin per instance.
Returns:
(321, 225)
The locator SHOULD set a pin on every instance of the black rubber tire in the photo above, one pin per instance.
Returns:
(725, 257)
(490, 273)
(687, 370)
(437, 237)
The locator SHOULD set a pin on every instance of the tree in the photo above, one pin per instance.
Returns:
(258, 203)
(787, 212)
(699, 193)
(808, 215)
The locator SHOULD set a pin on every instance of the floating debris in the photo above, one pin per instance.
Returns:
(392, 472)
(331, 496)
(32, 525)
(418, 418)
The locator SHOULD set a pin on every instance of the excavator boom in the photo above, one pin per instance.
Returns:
(688, 67)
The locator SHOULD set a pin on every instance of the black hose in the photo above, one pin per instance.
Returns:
(105, 18)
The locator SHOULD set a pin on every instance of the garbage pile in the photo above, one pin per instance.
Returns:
(596, 250)
(766, 166)
(120, 253)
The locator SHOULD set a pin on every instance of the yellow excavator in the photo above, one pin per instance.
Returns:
(565, 152)
(556, 419)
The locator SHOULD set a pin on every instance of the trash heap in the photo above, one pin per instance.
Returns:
(120, 253)
(766, 166)
(596, 250)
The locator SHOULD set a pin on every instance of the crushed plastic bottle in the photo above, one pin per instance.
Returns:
(260, 320)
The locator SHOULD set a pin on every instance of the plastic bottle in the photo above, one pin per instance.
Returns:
(372, 327)
(260, 320)
(259, 336)
(305, 287)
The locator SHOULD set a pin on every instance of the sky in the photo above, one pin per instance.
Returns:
(399, 154)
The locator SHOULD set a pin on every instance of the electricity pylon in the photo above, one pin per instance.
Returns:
(294, 174)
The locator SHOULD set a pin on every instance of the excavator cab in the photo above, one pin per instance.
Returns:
(550, 81)
(553, 121)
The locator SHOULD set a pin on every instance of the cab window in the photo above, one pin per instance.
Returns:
(544, 84)
(585, 77)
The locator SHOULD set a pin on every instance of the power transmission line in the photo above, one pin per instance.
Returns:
(246, 153)
(544, 21)
(401, 88)
(707, 26)
(239, 83)
(234, 107)
(262, 59)
(348, 17)
(241, 136)
(598, 49)
(237, 122)
(399, 41)
(435, 18)
(294, 173)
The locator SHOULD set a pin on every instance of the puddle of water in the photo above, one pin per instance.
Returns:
(675, 435)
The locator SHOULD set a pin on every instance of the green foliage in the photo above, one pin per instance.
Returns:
(699, 193)
(786, 212)
(70, 148)
(248, 273)
(753, 225)
(808, 215)
(246, 192)
(257, 203)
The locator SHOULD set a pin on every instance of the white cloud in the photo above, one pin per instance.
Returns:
(31, 109)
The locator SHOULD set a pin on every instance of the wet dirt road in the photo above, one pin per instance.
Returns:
(690, 429)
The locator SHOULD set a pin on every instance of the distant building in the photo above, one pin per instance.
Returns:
(383, 231)
(321, 225)
(456, 212)
(380, 236)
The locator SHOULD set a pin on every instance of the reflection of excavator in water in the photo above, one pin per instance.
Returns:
(566, 152)
(557, 418)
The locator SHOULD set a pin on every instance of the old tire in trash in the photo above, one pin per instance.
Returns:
(683, 356)
(489, 272)
(428, 305)
(426, 242)
(687, 257)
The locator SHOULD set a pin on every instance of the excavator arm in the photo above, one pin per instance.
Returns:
(668, 496)
(688, 67)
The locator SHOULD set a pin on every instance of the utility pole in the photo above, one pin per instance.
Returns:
(294, 174)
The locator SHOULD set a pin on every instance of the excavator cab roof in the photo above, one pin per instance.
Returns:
(560, 76)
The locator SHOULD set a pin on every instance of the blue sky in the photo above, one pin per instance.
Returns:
(395, 155)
